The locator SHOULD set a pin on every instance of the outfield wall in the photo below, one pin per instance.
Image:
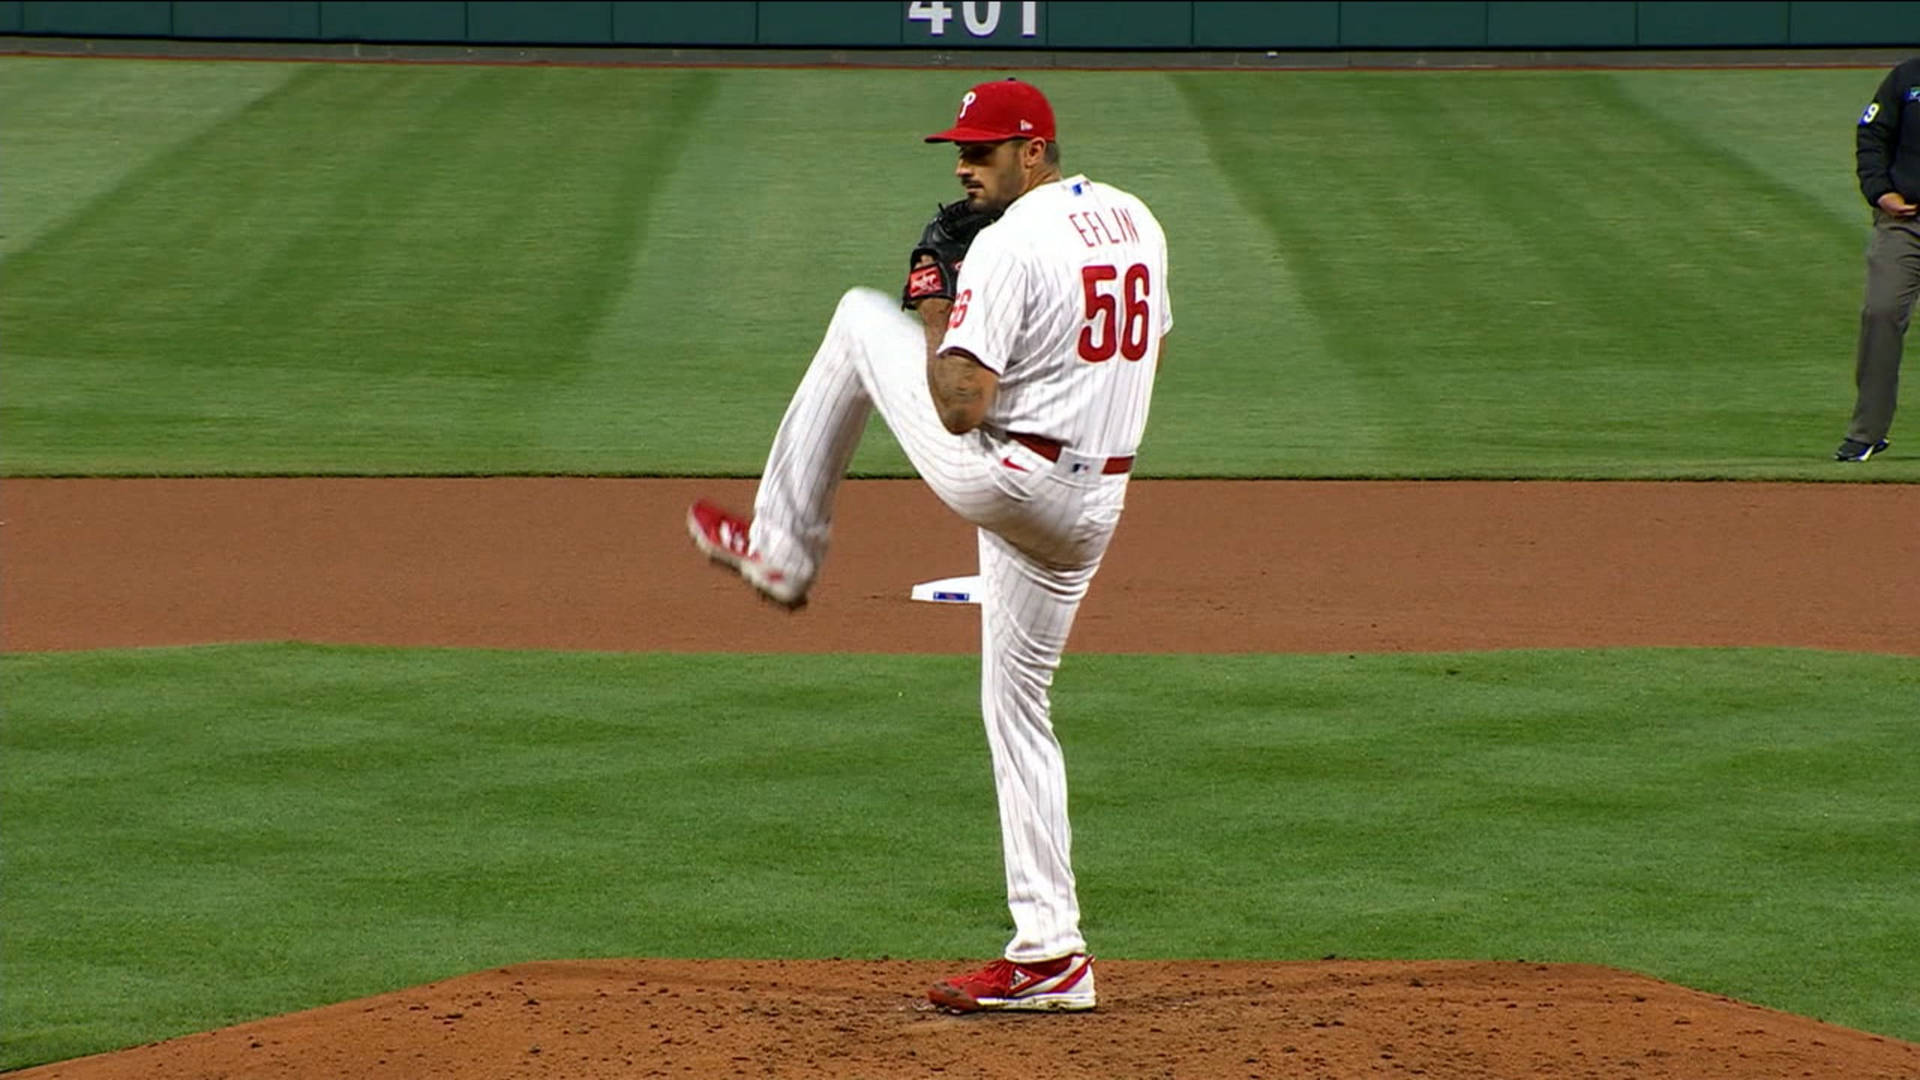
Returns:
(1303, 25)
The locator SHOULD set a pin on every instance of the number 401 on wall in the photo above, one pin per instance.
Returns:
(981, 19)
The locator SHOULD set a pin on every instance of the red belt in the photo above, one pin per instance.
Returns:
(1050, 449)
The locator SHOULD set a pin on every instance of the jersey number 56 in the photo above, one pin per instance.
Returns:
(1117, 315)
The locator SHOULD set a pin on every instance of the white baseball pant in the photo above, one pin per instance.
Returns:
(1043, 528)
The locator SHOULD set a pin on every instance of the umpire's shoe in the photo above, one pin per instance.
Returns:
(1855, 450)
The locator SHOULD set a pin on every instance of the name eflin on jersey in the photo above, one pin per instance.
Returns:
(1113, 226)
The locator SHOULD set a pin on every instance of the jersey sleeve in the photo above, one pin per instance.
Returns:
(1875, 137)
(1166, 304)
(1159, 235)
(988, 302)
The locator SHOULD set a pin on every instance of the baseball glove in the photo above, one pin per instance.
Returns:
(935, 264)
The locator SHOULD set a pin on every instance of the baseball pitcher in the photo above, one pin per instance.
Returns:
(1019, 388)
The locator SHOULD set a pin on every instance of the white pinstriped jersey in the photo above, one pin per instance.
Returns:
(1065, 299)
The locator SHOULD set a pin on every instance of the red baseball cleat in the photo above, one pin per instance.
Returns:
(1063, 985)
(722, 537)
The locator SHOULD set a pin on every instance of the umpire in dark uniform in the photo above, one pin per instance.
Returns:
(1887, 155)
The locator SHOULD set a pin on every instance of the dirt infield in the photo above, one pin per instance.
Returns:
(1197, 567)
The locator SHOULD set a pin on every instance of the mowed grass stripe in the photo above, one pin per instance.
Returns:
(799, 186)
(75, 131)
(1530, 272)
(1799, 130)
(1244, 339)
(290, 289)
(1615, 212)
(285, 825)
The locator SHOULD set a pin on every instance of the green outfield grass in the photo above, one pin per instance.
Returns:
(261, 268)
(200, 836)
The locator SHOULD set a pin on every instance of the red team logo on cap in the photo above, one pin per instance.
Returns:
(1005, 109)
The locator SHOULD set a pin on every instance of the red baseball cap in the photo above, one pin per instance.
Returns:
(1004, 109)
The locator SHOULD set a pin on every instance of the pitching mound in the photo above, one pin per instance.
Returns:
(847, 1019)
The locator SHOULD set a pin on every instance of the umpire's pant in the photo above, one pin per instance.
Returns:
(1893, 281)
